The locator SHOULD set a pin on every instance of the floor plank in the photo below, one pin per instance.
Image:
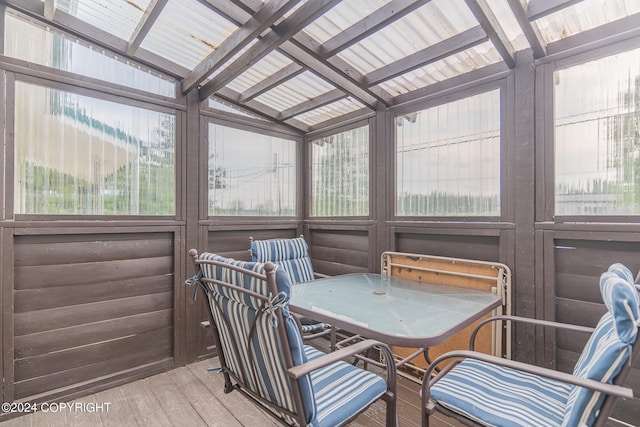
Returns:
(193, 395)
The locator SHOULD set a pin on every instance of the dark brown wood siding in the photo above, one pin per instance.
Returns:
(88, 306)
(340, 251)
(459, 245)
(575, 295)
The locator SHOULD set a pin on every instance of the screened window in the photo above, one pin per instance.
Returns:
(80, 155)
(448, 159)
(250, 174)
(340, 174)
(597, 137)
(30, 42)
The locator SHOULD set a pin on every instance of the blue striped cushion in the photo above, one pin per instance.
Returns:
(265, 354)
(313, 328)
(608, 347)
(499, 396)
(342, 390)
(291, 254)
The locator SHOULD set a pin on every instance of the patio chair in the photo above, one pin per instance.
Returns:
(293, 256)
(262, 354)
(480, 389)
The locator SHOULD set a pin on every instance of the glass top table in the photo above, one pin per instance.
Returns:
(394, 310)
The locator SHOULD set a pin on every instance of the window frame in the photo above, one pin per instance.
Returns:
(545, 132)
(505, 87)
(312, 136)
(105, 95)
(211, 116)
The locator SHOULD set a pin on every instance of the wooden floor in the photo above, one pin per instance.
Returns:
(191, 396)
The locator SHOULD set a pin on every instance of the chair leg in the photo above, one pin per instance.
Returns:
(392, 414)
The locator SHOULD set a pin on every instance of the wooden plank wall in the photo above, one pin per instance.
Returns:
(446, 243)
(573, 294)
(341, 251)
(84, 302)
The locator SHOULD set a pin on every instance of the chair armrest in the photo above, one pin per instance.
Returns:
(335, 356)
(611, 389)
(528, 320)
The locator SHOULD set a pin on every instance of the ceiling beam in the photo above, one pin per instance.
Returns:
(144, 25)
(326, 72)
(266, 16)
(305, 14)
(228, 10)
(604, 35)
(530, 31)
(368, 25)
(491, 25)
(50, 7)
(342, 120)
(471, 79)
(540, 8)
(348, 83)
(256, 107)
(465, 40)
(272, 81)
(319, 101)
(312, 46)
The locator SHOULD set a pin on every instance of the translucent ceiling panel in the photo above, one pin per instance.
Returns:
(295, 91)
(222, 105)
(341, 17)
(509, 24)
(460, 63)
(583, 16)
(117, 17)
(330, 111)
(436, 21)
(186, 32)
(262, 69)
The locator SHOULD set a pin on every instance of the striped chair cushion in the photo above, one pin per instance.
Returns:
(342, 390)
(264, 356)
(609, 346)
(291, 254)
(497, 396)
(313, 328)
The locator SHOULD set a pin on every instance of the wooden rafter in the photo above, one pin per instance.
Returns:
(465, 40)
(540, 8)
(319, 101)
(276, 37)
(266, 16)
(530, 31)
(50, 7)
(490, 24)
(368, 25)
(144, 25)
(272, 81)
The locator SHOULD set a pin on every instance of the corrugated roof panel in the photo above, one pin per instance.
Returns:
(583, 16)
(330, 111)
(455, 65)
(295, 91)
(341, 17)
(509, 24)
(186, 32)
(117, 17)
(262, 69)
(436, 21)
(222, 105)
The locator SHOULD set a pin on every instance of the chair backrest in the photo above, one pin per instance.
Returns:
(258, 338)
(609, 347)
(291, 254)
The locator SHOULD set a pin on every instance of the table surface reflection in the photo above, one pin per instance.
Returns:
(394, 310)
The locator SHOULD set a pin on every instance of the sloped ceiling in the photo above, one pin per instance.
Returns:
(307, 63)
